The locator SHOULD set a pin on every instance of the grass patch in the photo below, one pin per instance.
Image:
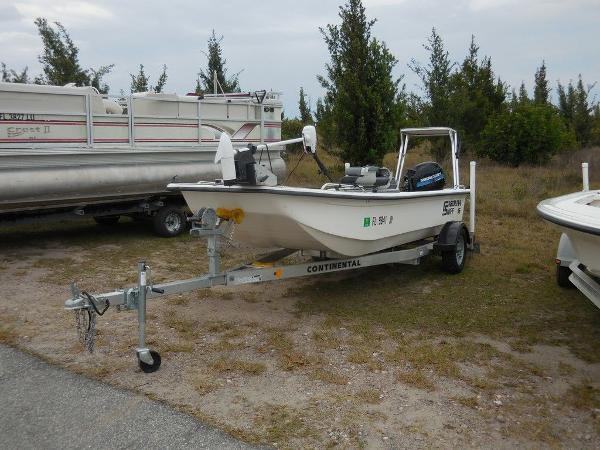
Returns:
(203, 383)
(583, 396)
(239, 366)
(369, 396)
(329, 377)
(187, 327)
(415, 378)
(282, 424)
(176, 347)
(470, 401)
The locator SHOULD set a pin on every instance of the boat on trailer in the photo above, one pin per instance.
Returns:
(369, 210)
(67, 149)
(368, 218)
(577, 216)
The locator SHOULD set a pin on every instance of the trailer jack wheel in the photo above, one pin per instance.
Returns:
(149, 368)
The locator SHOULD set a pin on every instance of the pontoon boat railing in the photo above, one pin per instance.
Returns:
(128, 102)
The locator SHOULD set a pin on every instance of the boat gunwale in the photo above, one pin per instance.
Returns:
(565, 222)
(313, 192)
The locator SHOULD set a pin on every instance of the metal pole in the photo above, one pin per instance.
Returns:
(472, 197)
(142, 281)
(586, 176)
(213, 255)
(199, 123)
(262, 123)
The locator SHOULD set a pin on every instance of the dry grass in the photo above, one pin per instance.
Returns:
(329, 376)
(415, 378)
(370, 396)
(238, 366)
(204, 383)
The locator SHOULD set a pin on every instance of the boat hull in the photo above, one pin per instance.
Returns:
(36, 179)
(578, 216)
(348, 224)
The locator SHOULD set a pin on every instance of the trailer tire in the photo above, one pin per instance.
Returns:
(107, 220)
(169, 221)
(562, 276)
(453, 261)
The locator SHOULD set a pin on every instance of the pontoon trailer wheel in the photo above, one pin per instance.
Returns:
(149, 368)
(453, 261)
(169, 221)
(107, 220)
(562, 276)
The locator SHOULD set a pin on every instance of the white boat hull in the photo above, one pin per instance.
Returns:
(345, 223)
(578, 216)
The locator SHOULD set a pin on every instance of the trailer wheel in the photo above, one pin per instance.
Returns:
(562, 276)
(169, 221)
(453, 261)
(149, 368)
(107, 220)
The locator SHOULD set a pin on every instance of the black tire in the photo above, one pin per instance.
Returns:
(562, 276)
(107, 220)
(169, 221)
(453, 261)
(149, 368)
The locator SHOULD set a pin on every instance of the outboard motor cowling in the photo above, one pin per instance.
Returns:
(427, 176)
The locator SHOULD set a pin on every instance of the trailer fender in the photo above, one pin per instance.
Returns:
(449, 236)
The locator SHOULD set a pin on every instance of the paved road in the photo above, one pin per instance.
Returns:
(42, 406)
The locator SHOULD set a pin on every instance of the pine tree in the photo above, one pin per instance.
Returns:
(360, 90)
(305, 113)
(12, 76)
(576, 110)
(216, 63)
(541, 91)
(523, 96)
(475, 96)
(60, 59)
(436, 80)
(139, 82)
(162, 80)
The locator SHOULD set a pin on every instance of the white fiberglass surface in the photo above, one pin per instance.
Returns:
(577, 208)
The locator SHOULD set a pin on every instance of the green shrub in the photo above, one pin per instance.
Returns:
(526, 134)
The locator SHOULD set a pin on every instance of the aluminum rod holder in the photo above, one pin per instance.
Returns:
(472, 199)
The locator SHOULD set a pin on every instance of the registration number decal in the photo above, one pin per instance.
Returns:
(377, 221)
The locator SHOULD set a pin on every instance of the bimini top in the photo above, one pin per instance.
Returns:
(428, 131)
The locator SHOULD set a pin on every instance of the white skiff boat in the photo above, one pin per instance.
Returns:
(578, 216)
(368, 211)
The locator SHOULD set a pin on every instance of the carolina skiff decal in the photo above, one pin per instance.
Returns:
(325, 267)
(376, 221)
(451, 207)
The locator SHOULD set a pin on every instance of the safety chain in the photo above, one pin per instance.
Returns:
(85, 320)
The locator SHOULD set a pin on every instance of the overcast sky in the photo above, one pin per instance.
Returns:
(277, 44)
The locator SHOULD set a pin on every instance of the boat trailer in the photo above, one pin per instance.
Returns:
(453, 240)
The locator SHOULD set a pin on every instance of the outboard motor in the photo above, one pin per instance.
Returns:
(240, 167)
(427, 176)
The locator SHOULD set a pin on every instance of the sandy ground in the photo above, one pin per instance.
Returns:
(246, 360)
